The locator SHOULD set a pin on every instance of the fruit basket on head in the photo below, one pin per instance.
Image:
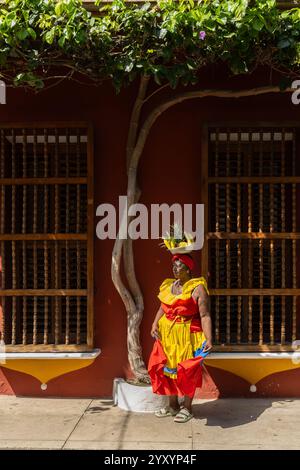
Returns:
(177, 241)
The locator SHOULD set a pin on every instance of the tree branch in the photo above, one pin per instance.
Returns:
(158, 110)
(135, 116)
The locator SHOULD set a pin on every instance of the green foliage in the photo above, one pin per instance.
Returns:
(170, 41)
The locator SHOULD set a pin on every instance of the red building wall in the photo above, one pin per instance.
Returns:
(170, 171)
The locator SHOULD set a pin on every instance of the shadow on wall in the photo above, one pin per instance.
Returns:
(218, 383)
(228, 413)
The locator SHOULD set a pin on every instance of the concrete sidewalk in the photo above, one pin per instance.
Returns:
(58, 423)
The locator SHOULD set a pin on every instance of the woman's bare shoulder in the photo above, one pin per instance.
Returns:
(199, 291)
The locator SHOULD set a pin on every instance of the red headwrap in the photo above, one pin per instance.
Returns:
(185, 259)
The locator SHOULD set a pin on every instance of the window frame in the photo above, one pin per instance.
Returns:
(204, 194)
(88, 236)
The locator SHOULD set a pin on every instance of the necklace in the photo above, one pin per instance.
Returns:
(176, 288)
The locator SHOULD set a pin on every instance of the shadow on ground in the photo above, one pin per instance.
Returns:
(107, 404)
(228, 413)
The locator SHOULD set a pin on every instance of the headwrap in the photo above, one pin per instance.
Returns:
(185, 259)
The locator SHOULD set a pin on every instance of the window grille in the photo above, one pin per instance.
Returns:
(46, 237)
(252, 243)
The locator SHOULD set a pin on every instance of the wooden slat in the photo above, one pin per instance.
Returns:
(56, 189)
(294, 323)
(228, 258)
(56, 302)
(24, 174)
(253, 235)
(14, 285)
(24, 299)
(42, 292)
(294, 246)
(42, 181)
(56, 230)
(2, 318)
(217, 228)
(252, 348)
(24, 315)
(35, 282)
(217, 320)
(68, 153)
(261, 320)
(78, 298)
(217, 225)
(272, 275)
(43, 124)
(283, 244)
(250, 320)
(34, 229)
(56, 321)
(239, 320)
(46, 188)
(35, 157)
(14, 320)
(2, 173)
(239, 249)
(254, 179)
(90, 242)
(13, 245)
(2, 244)
(45, 243)
(46, 286)
(204, 197)
(254, 291)
(48, 348)
(272, 319)
(260, 243)
(46, 319)
(44, 236)
(228, 319)
(67, 336)
(67, 221)
(246, 301)
(283, 319)
(13, 172)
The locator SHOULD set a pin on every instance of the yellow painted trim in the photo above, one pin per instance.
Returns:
(252, 370)
(45, 370)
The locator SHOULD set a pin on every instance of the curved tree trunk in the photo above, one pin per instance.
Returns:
(135, 354)
(132, 297)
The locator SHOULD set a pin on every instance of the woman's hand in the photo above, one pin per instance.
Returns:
(154, 331)
(208, 346)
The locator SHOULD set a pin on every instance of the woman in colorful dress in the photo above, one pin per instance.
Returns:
(183, 333)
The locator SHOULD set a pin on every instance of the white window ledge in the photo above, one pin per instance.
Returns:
(50, 355)
(252, 355)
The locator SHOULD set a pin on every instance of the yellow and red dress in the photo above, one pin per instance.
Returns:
(175, 361)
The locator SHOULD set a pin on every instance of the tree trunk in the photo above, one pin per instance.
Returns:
(132, 297)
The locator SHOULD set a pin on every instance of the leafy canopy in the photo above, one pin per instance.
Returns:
(170, 41)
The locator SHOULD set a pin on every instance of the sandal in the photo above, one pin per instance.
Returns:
(183, 416)
(164, 412)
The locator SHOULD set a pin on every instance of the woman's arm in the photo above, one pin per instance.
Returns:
(154, 329)
(203, 304)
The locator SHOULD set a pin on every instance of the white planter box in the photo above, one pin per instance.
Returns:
(137, 398)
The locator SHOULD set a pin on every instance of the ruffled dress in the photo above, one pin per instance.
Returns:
(175, 364)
